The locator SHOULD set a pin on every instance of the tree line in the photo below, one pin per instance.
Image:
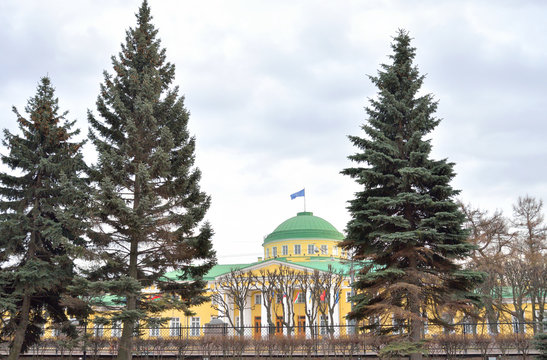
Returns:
(511, 254)
(74, 237)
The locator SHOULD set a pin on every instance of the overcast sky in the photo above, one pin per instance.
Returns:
(275, 87)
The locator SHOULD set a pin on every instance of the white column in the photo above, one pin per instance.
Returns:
(308, 303)
(219, 315)
(336, 315)
(285, 304)
(247, 317)
(263, 317)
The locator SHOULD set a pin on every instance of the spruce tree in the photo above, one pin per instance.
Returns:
(42, 219)
(148, 205)
(405, 225)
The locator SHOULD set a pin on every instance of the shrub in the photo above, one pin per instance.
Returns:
(484, 344)
(523, 344)
(452, 344)
(504, 343)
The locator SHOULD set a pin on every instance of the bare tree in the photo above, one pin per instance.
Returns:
(286, 287)
(230, 293)
(265, 281)
(538, 291)
(529, 221)
(332, 284)
(516, 277)
(309, 285)
(492, 239)
(528, 218)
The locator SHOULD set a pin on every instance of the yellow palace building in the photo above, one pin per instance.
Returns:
(300, 286)
(302, 248)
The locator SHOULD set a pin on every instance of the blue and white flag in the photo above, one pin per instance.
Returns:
(298, 193)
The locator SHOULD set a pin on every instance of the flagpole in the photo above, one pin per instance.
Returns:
(304, 199)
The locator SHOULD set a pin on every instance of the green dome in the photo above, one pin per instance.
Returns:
(304, 226)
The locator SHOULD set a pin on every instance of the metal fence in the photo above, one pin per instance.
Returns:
(227, 341)
(316, 330)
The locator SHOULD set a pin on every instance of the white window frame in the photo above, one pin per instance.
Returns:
(116, 329)
(258, 299)
(274, 251)
(98, 330)
(154, 330)
(56, 331)
(267, 253)
(323, 325)
(194, 326)
(311, 249)
(490, 332)
(516, 326)
(297, 249)
(285, 250)
(335, 250)
(301, 297)
(468, 326)
(324, 249)
(174, 326)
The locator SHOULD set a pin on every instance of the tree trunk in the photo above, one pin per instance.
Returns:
(125, 351)
(416, 324)
(21, 329)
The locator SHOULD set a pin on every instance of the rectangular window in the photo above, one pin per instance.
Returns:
(274, 251)
(324, 250)
(154, 330)
(493, 328)
(267, 253)
(297, 249)
(323, 325)
(311, 249)
(174, 327)
(56, 332)
(116, 330)
(518, 327)
(335, 250)
(374, 321)
(285, 250)
(194, 326)
(469, 326)
(258, 299)
(301, 298)
(98, 330)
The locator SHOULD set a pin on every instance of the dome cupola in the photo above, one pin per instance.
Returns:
(304, 226)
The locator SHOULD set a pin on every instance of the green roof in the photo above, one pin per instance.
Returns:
(304, 226)
(217, 270)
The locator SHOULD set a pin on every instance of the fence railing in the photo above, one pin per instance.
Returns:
(316, 330)
(336, 341)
